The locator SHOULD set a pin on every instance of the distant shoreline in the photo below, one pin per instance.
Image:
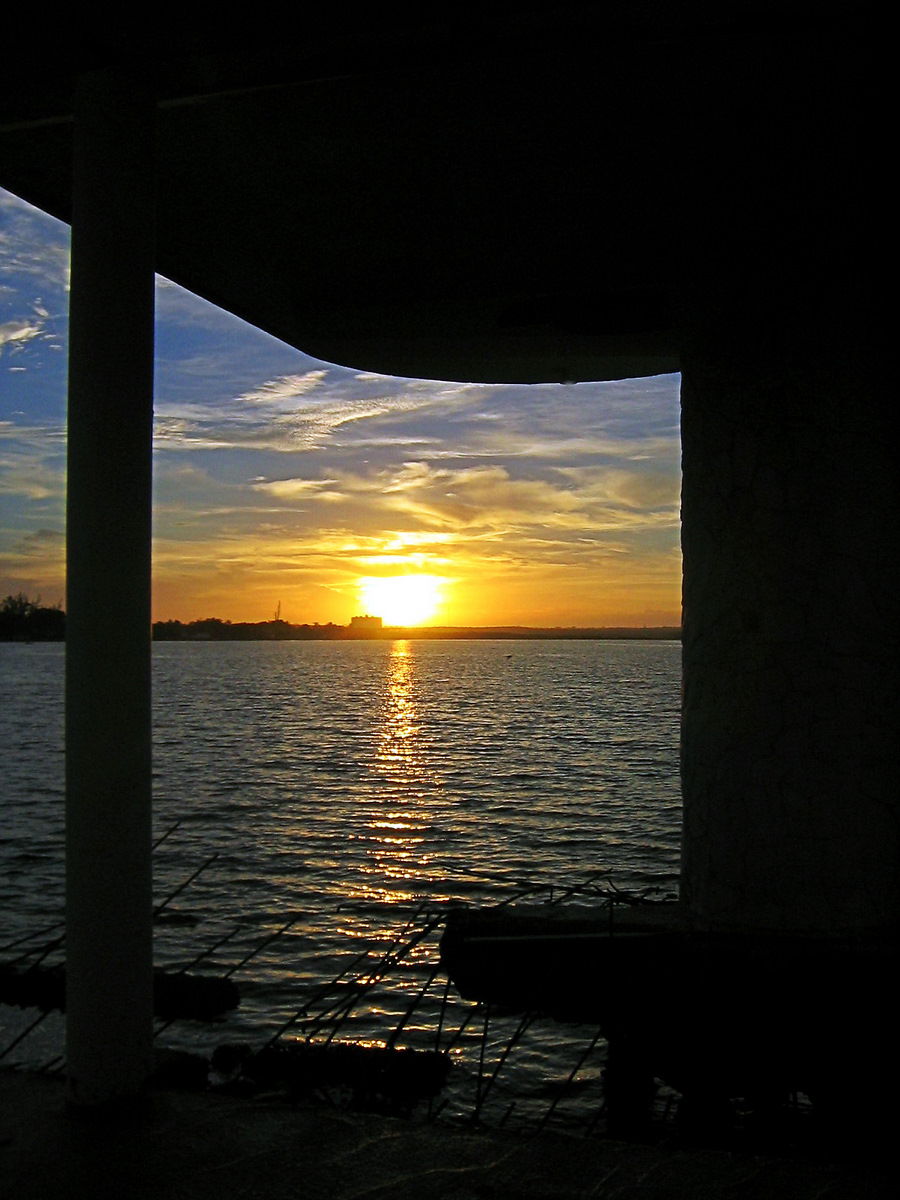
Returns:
(269, 631)
(22, 620)
(532, 633)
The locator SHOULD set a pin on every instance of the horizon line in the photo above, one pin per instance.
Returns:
(348, 625)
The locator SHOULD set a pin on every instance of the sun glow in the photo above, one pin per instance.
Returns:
(402, 599)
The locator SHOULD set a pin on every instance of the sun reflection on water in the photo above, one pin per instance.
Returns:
(397, 744)
(396, 832)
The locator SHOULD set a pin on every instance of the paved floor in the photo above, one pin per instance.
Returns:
(195, 1146)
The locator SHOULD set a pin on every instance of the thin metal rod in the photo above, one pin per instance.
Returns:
(484, 1036)
(190, 879)
(517, 1034)
(319, 993)
(416, 1001)
(336, 1013)
(24, 1033)
(262, 945)
(389, 960)
(159, 841)
(568, 1083)
(441, 1014)
(40, 951)
(212, 949)
(28, 937)
(469, 1017)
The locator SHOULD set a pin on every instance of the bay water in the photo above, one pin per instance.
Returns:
(329, 800)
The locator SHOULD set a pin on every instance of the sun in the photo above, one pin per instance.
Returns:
(401, 599)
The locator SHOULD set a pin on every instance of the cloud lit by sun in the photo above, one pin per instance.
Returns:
(402, 599)
(283, 481)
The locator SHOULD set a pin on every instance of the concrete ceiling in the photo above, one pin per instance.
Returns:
(522, 195)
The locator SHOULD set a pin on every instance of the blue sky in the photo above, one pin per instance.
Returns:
(282, 480)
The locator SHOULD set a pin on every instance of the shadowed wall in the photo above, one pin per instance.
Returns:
(789, 723)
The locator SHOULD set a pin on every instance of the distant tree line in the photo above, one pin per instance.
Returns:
(24, 620)
(212, 629)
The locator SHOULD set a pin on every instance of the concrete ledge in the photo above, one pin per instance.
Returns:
(717, 1016)
(193, 1147)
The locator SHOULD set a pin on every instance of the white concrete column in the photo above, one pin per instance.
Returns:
(108, 719)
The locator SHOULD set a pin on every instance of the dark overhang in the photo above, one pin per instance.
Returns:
(517, 195)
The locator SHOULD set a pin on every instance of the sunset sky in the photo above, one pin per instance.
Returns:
(285, 481)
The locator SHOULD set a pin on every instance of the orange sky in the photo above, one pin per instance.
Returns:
(284, 481)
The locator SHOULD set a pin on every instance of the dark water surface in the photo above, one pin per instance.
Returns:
(355, 789)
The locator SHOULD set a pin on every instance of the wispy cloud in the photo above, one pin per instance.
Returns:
(298, 489)
(281, 477)
(19, 331)
(42, 541)
(33, 246)
(287, 388)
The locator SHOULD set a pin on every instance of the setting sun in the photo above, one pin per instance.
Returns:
(401, 599)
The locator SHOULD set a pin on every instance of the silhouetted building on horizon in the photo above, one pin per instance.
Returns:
(365, 624)
(692, 188)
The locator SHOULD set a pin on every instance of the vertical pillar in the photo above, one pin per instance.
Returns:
(108, 718)
(789, 530)
(789, 512)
